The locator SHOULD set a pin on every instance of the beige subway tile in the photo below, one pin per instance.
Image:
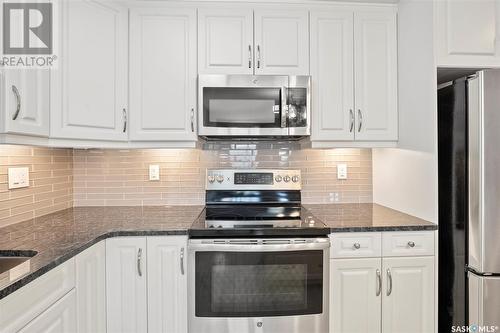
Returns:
(4, 212)
(88, 203)
(104, 196)
(16, 218)
(123, 202)
(51, 195)
(31, 207)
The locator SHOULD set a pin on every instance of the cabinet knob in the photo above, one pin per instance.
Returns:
(411, 244)
(357, 246)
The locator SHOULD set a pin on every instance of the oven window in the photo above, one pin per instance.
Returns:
(242, 107)
(258, 284)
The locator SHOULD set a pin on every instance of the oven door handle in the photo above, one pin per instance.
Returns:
(258, 247)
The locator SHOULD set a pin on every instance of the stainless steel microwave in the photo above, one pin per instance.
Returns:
(254, 106)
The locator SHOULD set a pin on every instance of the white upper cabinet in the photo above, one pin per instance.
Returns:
(229, 42)
(126, 285)
(468, 33)
(163, 73)
(281, 41)
(332, 58)
(225, 41)
(354, 73)
(408, 302)
(89, 88)
(355, 295)
(375, 75)
(167, 284)
(25, 100)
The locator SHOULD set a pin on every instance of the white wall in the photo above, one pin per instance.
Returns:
(406, 178)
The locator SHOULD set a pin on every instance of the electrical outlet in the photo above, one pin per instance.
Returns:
(334, 197)
(341, 171)
(18, 177)
(154, 172)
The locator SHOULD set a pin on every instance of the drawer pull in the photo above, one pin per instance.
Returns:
(357, 246)
(411, 244)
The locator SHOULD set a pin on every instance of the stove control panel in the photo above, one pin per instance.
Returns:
(257, 179)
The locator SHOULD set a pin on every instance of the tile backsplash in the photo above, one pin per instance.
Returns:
(120, 177)
(51, 182)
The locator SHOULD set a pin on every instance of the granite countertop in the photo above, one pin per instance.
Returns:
(367, 217)
(60, 236)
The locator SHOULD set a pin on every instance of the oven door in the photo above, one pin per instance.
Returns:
(242, 105)
(267, 285)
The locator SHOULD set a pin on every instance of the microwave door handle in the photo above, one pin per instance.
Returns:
(284, 108)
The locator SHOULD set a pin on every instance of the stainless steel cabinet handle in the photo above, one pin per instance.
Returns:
(411, 244)
(18, 102)
(124, 120)
(192, 120)
(139, 262)
(379, 283)
(357, 246)
(258, 56)
(360, 116)
(389, 281)
(182, 261)
(351, 115)
(249, 56)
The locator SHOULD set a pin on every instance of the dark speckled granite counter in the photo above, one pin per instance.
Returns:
(60, 236)
(367, 217)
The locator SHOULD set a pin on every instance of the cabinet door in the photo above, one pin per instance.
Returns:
(26, 104)
(282, 41)
(225, 41)
(60, 317)
(469, 42)
(162, 74)
(332, 69)
(126, 285)
(408, 295)
(375, 68)
(355, 295)
(91, 289)
(89, 96)
(167, 284)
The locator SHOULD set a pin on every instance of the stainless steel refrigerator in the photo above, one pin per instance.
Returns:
(469, 201)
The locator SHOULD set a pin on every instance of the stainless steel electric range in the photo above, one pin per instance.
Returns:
(258, 260)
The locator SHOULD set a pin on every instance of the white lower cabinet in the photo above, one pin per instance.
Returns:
(167, 284)
(355, 295)
(59, 318)
(126, 287)
(408, 302)
(383, 294)
(91, 289)
(146, 284)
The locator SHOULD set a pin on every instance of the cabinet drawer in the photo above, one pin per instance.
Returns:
(22, 306)
(355, 245)
(399, 244)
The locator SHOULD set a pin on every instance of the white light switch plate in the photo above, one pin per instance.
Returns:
(341, 171)
(154, 172)
(18, 177)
